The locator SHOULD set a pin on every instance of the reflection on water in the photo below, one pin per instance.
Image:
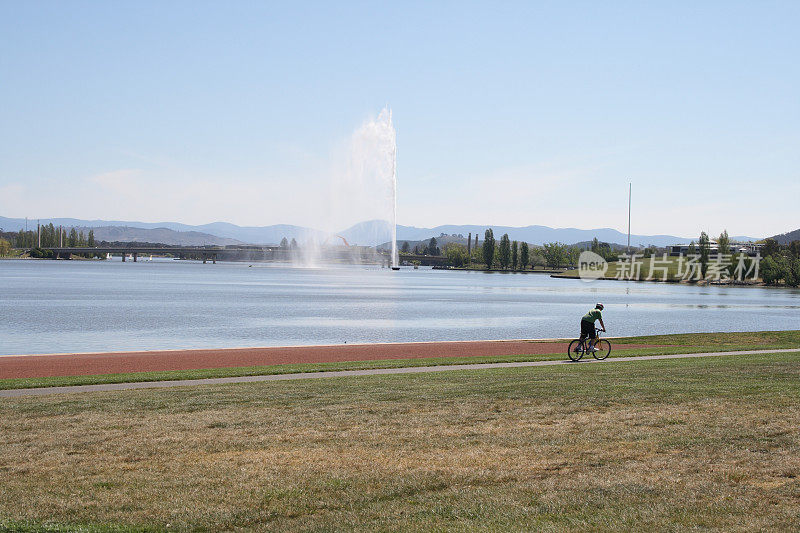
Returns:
(73, 306)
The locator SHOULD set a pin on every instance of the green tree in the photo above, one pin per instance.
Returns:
(90, 240)
(773, 269)
(73, 238)
(573, 255)
(476, 256)
(405, 248)
(488, 248)
(5, 247)
(504, 250)
(771, 247)
(81, 239)
(692, 249)
(705, 248)
(603, 249)
(433, 247)
(555, 254)
(524, 255)
(293, 245)
(456, 254)
(537, 257)
(514, 255)
(284, 243)
(724, 243)
(49, 236)
(41, 253)
(792, 271)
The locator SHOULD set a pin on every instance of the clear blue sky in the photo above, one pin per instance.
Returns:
(507, 113)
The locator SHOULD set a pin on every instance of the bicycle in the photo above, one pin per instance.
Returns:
(600, 348)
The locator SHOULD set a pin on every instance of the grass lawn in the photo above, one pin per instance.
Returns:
(663, 445)
(663, 344)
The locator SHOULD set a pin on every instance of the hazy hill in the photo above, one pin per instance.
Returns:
(786, 238)
(369, 233)
(159, 235)
(377, 231)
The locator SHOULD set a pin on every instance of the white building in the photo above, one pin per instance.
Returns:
(749, 248)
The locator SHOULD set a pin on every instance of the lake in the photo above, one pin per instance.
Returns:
(96, 306)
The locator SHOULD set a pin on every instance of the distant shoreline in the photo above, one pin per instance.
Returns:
(505, 271)
(701, 283)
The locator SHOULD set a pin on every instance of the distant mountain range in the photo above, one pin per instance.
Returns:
(531, 234)
(214, 231)
(369, 233)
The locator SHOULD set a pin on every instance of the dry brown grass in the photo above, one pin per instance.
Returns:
(663, 445)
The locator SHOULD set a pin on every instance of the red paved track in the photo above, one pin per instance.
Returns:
(28, 366)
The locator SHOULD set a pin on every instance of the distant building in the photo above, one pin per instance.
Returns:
(749, 248)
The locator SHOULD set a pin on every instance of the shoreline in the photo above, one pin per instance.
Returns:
(701, 283)
(462, 269)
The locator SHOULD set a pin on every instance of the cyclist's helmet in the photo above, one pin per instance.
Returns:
(599, 306)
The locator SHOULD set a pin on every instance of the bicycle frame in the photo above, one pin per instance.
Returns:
(588, 344)
(591, 342)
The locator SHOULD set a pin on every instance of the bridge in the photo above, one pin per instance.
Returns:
(339, 254)
(202, 252)
(336, 254)
(424, 260)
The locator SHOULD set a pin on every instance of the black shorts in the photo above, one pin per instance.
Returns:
(587, 330)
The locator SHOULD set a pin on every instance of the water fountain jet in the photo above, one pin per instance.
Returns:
(371, 175)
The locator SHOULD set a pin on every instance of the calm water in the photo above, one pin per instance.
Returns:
(72, 306)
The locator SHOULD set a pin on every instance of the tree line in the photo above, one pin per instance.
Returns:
(286, 244)
(54, 237)
(780, 263)
(504, 254)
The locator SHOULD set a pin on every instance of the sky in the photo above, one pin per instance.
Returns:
(507, 113)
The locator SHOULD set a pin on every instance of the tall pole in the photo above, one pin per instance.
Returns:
(629, 217)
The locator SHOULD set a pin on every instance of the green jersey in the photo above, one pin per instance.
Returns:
(592, 316)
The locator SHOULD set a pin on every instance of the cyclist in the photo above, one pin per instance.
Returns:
(587, 324)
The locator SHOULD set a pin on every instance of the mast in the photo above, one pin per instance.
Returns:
(629, 217)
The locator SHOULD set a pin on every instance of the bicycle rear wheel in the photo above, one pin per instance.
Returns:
(576, 350)
(603, 348)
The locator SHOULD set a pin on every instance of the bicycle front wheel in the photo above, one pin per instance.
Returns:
(575, 350)
(603, 348)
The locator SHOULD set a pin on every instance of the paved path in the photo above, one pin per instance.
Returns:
(342, 373)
